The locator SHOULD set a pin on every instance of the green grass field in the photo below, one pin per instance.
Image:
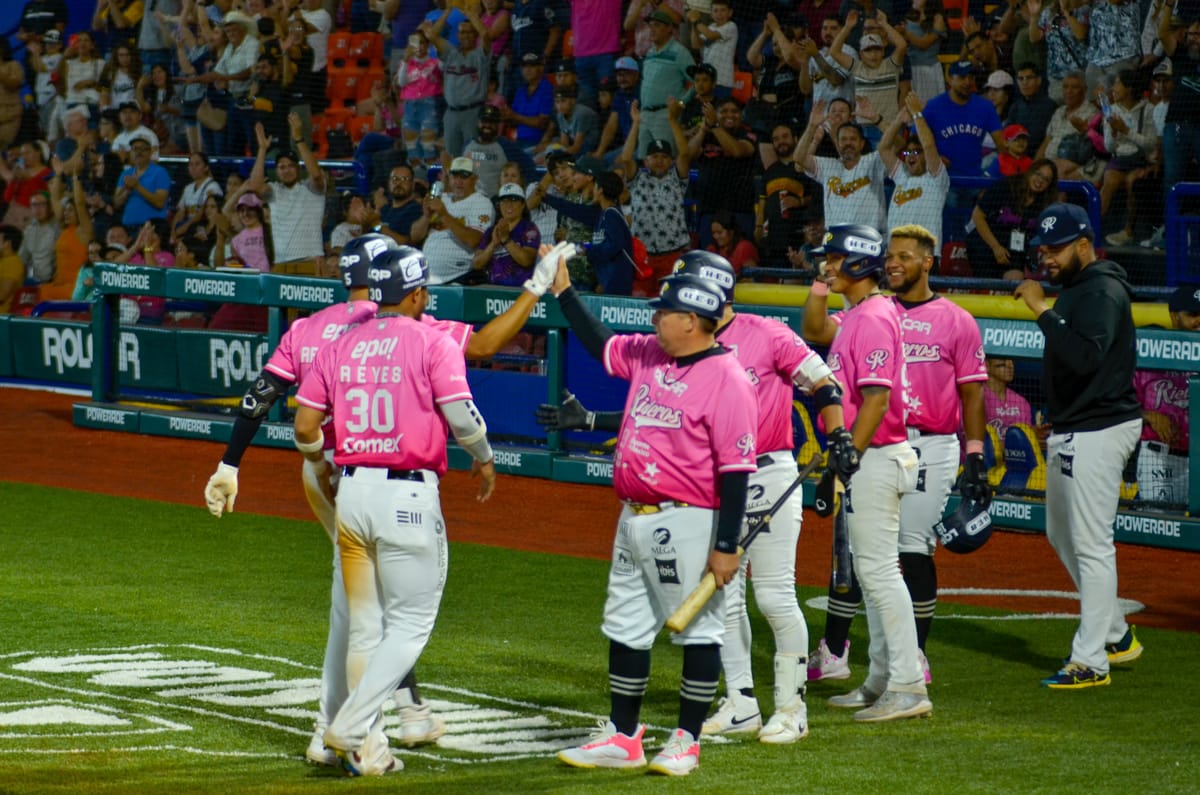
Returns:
(150, 648)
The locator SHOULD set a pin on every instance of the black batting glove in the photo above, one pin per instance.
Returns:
(844, 457)
(823, 499)
(570, 416)
(973, 483)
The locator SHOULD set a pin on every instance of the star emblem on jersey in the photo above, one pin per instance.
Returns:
(651, 470)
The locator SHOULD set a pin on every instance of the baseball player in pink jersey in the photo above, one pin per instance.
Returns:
(684, 453)
(944, 362)
(288, 366)
(867, 358)
(775, 359)
(393, 386)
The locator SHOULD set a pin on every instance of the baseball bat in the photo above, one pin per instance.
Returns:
(843, 563)
(699, 596)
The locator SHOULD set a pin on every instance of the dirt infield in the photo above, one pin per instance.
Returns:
(46, 448)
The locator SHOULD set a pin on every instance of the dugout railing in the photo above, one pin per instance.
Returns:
(186, 382)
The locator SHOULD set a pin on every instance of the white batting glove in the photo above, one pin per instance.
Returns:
(547, 267)
(222, 489)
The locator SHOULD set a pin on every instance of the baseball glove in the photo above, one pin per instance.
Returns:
(570, 416)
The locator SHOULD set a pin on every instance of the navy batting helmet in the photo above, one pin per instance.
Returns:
(708, 265)
(685, 292)
(862, 245)
(967, 528)
(358, 254)
(396, 273)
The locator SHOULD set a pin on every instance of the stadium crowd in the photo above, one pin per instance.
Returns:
(641, 130)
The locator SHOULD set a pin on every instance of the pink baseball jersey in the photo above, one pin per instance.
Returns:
(454, 329)
(1001, 412)
(299, 345)
(869, 351)
(942, 349)
(383, 382)
(772, 355)
(1166, 393)
(684, 424)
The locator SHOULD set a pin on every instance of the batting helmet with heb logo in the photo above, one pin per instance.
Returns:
(396, 273)
(708, 265)
(862, 246)
(967, 528)
(356, 257)
(685, 292)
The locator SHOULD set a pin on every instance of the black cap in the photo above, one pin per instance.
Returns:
(489, 113)
(1185, 299)
(565, 65)
(589, 165)
(659, 146)
(531, 59)
(129, 106)
(702, 68)
(288, 153)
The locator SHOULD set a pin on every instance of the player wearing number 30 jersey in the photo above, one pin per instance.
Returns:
(393, 385)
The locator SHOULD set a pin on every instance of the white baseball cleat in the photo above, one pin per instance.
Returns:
(824, 664)
(607, 748)
(736, 714)
(787, 725)
(857, 698)
(317, 753)
(896, 706)
(372, 758)
(680, 756)
(419, 726)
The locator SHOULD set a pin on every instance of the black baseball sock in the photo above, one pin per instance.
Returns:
(698, 688)
(628, 674)
(920, 575)
(840, 614)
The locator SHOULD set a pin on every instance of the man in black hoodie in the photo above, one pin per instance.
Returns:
(1092, 406)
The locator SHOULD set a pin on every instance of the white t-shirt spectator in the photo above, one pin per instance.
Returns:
(319, 41)
(447, 256)
(919, 200)
(852, 196)
(719, 53)
(296, 215)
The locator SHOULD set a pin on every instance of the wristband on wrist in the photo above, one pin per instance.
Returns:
(309, 448)
(820, 288)
(974, 446)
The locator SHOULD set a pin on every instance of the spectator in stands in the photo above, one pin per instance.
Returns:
(318, 25)
(1063, 25)
(457, 219)
(610, 250)
(576, 123)
(1073, 136)
(596, 28)
(70, 250)
(821, 78)
(580, 188)
(607, 147)
(717, 42)
(537, 30)
(497, 27)
(191, 202)
(41, 16)
(508, 249)
(78, 137)
(1114, 40)
(45, 56)
(402, 218)
(616, 126)
(852, 183)
(354, 211)
(378, 147)
(780, 99)
(564, 75)
(789, 199)
(960, 119)
(560, 173)
(105, 177)
(12, 76)
(915, 165)
(532, 103)
(730, 242)
(985, 54)
(637, 21)
(236, 68)
(118, 80)
(26, 177)
(722, 148)
(876, 77)
(656, 197)
(401, 19)
(117, 21)
(297, 208)
(487, 151)
(147, 249)
(1005, 220)
(132, 127)
(1015, 160)
(200, 238)
(159, 103)
(925, 31)
(1129, 138)
(999, 91)
(664, 79)
(251, 246)
(144, 186)
(192, 53)
(1163, 458)
(1145, 194)
(1031, 107)
(837, 113)
(80, 75)
(12, 267)
(420, 81)
(1181, 135)
(266, 98)
(464, 82)
(1002, 405)
(85, 282)
(704, 97)
(154, 49)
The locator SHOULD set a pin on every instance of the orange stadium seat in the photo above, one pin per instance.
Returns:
(367, 49)
(368, 79)
(956, 12)
(342, 88)
(743, 87)
(339, 51)
(359, 126)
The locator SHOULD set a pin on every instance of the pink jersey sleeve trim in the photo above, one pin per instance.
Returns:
(312, 404)
(608, 356)
(966, 379)
(875, 382)
(284, 374)
(749, 467)
(451, 398)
